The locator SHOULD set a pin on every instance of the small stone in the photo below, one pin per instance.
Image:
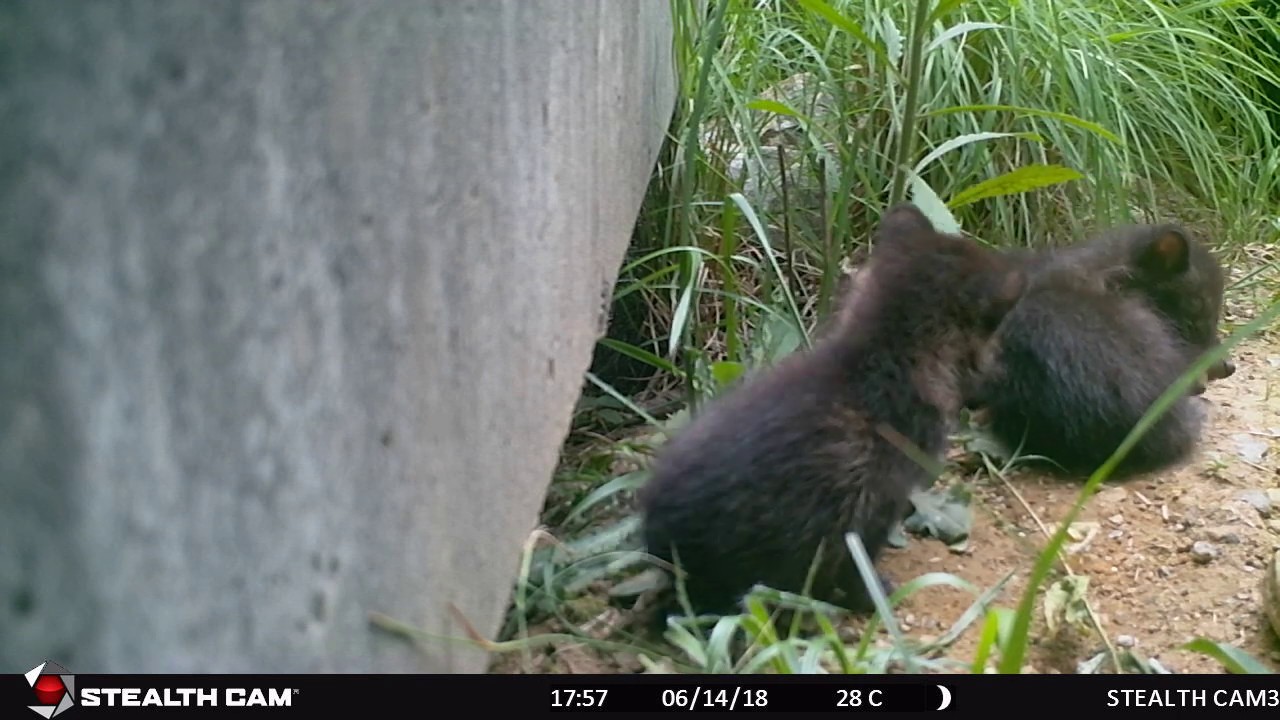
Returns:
(1126, 641)
(1116, 519)
(1250, 448)
(1111, 496)
(1258, 499)
(1203, 552)
(1222, 534)
(1115, 534)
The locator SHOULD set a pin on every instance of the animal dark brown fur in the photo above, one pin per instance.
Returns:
(793, 458)
(1103, 331)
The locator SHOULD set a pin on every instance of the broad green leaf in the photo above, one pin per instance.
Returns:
(727, 371)
(772, 106)
(1029, 177)
(932, 206)
(1092, 127)
(963, 28)
(1232, 658)
(956, 142)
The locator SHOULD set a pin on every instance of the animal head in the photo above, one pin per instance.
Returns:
(1184, 282)
(968, 285)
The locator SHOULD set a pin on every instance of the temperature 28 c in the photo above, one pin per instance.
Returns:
(859, 698)
(578, 698)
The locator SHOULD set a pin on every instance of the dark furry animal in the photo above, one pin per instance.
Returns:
(1104, 329)
(795, 457)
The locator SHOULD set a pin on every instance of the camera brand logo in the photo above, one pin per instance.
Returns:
(54, 688)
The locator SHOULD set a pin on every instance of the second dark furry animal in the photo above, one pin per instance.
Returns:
(1103, 331)
(792, 458)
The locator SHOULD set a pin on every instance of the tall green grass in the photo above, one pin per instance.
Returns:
(1021, 123)
(1033, 122)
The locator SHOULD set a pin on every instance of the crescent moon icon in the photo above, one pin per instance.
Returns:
(946, 698)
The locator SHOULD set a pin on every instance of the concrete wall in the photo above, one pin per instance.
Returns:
(295, 302)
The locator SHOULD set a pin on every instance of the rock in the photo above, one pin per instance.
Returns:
(1111, 497)
(1203, 552)
(1223, 534)
(1126, 641)
(1258, 499)
(1116, 519)
(1250, 447)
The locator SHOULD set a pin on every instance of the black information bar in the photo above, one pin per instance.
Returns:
(280, 695)
(747, 696)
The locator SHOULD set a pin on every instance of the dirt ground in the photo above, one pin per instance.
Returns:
(1148, 587)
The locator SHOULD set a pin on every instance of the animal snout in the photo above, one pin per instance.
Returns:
(1224, 368)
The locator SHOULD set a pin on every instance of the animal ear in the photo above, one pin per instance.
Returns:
(901, 220)
(1003, 293)
(1012, 286)
(1166, 253)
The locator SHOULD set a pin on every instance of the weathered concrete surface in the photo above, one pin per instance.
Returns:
(295, 301)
